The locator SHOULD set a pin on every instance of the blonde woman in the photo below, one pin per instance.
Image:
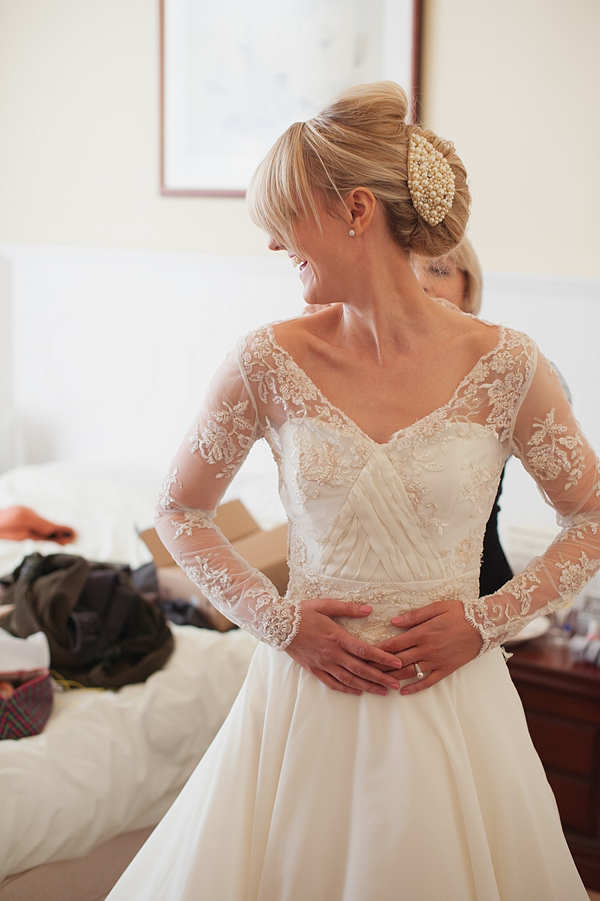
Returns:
(378, 748)
(456, 277)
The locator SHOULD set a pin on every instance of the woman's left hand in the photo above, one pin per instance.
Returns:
(438, 637)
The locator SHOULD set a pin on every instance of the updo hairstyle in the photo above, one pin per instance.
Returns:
(360, 140)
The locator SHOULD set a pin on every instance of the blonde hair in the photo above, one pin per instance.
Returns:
(464, 258)
(359, 140)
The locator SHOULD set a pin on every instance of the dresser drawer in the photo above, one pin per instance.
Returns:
(560, 703)
(566, 745)
(561, 698)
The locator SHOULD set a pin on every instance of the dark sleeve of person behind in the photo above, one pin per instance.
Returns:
(495, 569)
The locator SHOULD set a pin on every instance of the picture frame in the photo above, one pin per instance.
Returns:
(234, 76)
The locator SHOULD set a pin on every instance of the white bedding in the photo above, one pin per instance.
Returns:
(103, 504)
(107, 504)
(107, 763)
(110, 762)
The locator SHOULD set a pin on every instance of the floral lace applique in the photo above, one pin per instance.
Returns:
(192, 519)
(220, 445)
(482, 484)
(417, 490)
(575, 574)
(164, 500)
(498, 619)
(277, 624)
(285, 383)
(214, 579)
(298, 552)
(465, 554)
(553, 451)
(324, 463)
(268, 617)
(504, 394)
(326, 460)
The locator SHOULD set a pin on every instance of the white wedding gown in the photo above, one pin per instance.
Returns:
(308, 794)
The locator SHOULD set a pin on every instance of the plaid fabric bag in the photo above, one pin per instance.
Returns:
(27, 709)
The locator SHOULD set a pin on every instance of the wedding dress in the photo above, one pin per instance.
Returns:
(308, 794)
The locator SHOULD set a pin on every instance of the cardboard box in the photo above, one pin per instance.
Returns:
(266, 551)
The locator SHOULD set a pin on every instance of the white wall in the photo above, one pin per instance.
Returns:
(112, 351)
(514, 84)
(79, 119)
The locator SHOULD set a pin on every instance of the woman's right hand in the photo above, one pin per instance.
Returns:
(336, 657)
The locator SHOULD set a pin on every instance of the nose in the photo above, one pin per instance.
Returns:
(273, 245)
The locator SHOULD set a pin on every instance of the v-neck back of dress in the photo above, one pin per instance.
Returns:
(303, 376)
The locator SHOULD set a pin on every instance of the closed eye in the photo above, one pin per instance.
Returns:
(439, 271)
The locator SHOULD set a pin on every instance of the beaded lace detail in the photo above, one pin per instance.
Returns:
(396, 523)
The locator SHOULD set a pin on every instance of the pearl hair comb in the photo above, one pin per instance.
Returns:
(430, 180)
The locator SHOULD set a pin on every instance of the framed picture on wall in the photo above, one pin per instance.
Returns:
(234, 75)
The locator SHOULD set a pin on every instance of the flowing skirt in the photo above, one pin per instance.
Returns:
(307, 794)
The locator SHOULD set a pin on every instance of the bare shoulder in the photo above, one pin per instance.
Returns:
(476, 336)
(296, 334)
(483, 336)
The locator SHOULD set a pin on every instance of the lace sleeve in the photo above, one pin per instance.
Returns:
(550, 444)
(206, 462)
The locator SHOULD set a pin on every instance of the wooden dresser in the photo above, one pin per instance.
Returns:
(562, 704)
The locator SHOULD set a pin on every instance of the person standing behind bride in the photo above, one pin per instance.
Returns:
(378, 748)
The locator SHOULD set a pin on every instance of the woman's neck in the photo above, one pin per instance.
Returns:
(385, 308)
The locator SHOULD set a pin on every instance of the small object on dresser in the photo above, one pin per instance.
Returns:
(587, 647)
(535, 628)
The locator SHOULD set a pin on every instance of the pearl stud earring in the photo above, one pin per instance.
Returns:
(351, 232)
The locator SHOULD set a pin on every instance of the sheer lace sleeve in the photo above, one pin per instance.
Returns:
(206, 462)
(548, 440)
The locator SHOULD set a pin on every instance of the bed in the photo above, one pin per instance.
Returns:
(79, 799)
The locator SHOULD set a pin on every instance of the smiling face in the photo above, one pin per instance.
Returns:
(443, 278)
(321, 254)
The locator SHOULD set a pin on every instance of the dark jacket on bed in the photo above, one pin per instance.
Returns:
(101, 630)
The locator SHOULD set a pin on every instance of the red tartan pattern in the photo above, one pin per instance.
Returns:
(27, 710)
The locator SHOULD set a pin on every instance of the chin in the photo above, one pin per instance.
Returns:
(312, 296)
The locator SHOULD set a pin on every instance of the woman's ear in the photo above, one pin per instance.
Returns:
(360, 204)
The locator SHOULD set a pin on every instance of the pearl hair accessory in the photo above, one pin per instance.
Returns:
(430, 180)
(351, 232)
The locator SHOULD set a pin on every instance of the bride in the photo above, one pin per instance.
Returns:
(378, 748)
